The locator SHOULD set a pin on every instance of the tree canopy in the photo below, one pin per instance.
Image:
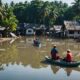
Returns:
(38, 12)
(7, 17)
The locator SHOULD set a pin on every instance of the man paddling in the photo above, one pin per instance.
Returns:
(54, 53)
(36, 41)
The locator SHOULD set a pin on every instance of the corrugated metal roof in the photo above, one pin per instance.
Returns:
(72, 25)
(57, 27)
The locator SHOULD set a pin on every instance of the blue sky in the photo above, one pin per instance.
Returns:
(67, 1)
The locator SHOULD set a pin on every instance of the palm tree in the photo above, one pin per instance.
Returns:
(44, 12)
(0, 2)
(76, 9)
(76, 6)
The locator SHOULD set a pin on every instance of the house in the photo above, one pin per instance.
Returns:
(21, 30)
(56, 31)
(72, 29)
(40, 30)
(25, 29)
(57, 28)
(31, 29)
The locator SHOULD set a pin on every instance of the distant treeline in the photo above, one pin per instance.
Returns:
(38, 12)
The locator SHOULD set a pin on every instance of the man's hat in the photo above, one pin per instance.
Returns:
(69, 50)
(54, 45)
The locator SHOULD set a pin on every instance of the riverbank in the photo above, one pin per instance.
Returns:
(4, 39)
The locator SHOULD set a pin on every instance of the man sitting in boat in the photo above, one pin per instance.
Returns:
(36, 42)
(69, 56)
(54, 53)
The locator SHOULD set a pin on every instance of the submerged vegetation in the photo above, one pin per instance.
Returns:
(37, 12)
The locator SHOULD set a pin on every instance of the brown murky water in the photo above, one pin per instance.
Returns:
(20, 60)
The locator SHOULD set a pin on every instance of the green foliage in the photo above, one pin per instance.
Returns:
(0, 2)
(76, 8)
(38, 12)
(7, 18)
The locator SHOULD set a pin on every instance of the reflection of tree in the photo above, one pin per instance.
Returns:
(10, 55)
(27, 56)
(31, 57)
(54, 68)
(1, 67)
(68, 71)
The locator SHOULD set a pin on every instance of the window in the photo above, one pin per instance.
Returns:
(29, 31)
(71, 32)
(78, 32)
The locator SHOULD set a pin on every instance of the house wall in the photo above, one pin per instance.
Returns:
(75, 34)
(29, 31)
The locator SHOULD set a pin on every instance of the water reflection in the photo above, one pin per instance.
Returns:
(25, 56)
(55, 69)
(12, 40)
(1, 67)
(21, 58)
(68, 71)
(65, 73)
(18, 72)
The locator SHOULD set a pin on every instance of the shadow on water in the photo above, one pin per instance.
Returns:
(57, 64)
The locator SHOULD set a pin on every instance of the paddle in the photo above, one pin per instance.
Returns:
(78, 54)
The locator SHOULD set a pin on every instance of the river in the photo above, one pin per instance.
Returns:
(20, 60)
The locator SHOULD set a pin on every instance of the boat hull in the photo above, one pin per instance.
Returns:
(62, 63)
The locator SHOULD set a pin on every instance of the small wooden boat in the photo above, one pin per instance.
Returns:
(62, 63)
(37, 43)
